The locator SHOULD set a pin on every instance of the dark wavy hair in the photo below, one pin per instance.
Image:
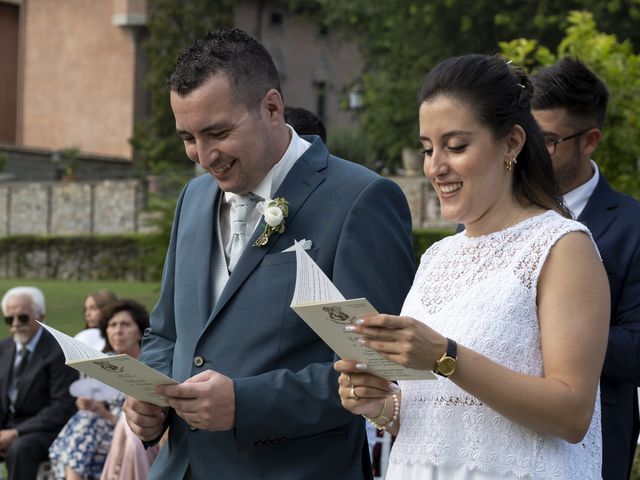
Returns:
(246, 62)
(138, 312)
(498, 96)
(570, 85)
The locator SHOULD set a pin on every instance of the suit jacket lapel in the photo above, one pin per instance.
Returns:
(6, 360)
(601, 209)
(200, 229)
(300, 182)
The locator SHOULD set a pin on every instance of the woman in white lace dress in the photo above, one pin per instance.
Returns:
(522, 291)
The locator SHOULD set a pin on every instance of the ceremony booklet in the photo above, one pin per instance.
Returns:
(122, 372)
(319, 303)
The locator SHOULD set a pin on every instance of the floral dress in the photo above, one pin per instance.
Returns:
(84, 442)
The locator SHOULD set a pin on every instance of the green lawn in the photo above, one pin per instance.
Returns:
(64, 298)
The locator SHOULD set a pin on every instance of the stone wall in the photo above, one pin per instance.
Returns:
(72, 208)
(116, 207)
(112, 207)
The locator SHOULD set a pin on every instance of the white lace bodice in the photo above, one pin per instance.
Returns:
(481, 291)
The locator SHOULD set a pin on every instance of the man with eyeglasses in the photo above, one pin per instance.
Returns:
(34, 385)
(570, 104)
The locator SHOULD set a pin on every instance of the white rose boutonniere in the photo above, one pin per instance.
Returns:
(274, 211)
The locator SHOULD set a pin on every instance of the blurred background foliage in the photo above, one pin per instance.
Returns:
(173, 25)
(401, 40)
(616, 63)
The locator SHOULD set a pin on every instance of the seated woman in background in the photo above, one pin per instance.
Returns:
(80, 450)
(94, 311)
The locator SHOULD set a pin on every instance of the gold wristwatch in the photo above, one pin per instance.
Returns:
(447, 363)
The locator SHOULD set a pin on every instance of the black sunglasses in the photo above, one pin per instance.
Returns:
(22, 318)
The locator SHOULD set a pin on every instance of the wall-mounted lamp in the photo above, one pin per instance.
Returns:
(356, 101)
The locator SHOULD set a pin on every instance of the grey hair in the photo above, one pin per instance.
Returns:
(35, 294)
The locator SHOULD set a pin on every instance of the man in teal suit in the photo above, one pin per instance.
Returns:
(258, 397)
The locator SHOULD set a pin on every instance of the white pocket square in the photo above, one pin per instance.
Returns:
(306, 245)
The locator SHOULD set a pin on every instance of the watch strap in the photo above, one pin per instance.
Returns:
(448, 360)
(452, 349)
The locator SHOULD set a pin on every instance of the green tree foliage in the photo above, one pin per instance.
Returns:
(173, 25)
(400, 40)
(616, 63)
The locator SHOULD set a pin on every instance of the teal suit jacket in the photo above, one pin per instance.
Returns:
(289, 421)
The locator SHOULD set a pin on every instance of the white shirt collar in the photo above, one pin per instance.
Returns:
(577, 199)
(274, 177)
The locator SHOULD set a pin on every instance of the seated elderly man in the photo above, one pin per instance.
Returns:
(34, 385)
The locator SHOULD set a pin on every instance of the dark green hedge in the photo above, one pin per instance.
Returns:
(423, 239)
(106, 257)
(131, 257)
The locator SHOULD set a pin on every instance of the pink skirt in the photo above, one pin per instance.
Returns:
(127, 459)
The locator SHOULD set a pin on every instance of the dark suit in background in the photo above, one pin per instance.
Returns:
(614, 221)
(43, 404)
(570, 105)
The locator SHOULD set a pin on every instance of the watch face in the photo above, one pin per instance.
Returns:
(446, 366)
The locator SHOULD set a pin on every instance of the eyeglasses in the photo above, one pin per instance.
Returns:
(22, 318)
(552, 143)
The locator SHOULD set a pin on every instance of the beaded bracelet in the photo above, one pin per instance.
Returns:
(396, 410)
(394, 418)
(380, 414)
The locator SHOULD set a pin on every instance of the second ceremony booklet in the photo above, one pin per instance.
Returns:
(122, 372)
(319, 303)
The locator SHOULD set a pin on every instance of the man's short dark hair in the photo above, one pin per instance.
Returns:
(305, 122)
(235, 53)
(569, 84)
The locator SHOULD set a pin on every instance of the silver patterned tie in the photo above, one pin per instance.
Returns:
(244, 205)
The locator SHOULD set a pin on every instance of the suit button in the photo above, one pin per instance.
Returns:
(198, 361)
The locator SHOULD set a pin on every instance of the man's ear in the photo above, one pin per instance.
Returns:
(590, 141)
(273, 106)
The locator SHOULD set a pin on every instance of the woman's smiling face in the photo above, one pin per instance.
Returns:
(465, 164)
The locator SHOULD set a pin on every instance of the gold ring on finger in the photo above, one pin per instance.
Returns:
(353, 393)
